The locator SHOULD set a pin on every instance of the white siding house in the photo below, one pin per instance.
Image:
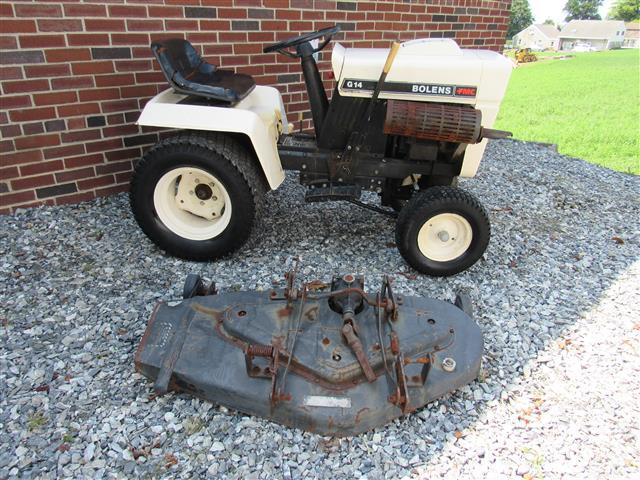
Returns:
(632, 35)
(537, 37)
(598, 34)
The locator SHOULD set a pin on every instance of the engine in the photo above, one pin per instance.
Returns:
(435, 91)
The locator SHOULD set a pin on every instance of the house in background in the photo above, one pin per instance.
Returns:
(631, 35)
(597, 34)
(537, 37)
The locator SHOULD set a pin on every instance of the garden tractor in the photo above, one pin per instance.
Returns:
(403, 122)
(525, 55)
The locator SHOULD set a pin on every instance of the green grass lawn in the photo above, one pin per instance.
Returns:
(588, 105)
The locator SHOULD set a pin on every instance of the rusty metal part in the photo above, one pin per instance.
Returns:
(356, 346)
(289, 356)
(495, 134)
(433, 121)
(437, 121)
(402, 392)
(253, 351)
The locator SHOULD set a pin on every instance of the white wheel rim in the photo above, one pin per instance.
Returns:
(192, 203)
(445, 237)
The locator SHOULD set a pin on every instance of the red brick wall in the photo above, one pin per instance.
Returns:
(74, 75)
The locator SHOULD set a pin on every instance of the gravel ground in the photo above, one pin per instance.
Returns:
(556, 296)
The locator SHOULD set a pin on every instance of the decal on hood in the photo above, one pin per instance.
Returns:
(353, 84)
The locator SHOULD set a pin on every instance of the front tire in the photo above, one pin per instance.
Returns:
(196, 196)
(442, 231)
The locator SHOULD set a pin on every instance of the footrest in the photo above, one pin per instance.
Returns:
(324, 192)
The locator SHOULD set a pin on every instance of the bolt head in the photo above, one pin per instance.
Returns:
(448, 364)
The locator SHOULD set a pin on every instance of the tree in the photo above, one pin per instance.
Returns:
(549, 21)
(582, 10)
(626, 10)
(520, 17)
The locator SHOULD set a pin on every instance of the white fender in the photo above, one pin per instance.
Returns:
(260, 116)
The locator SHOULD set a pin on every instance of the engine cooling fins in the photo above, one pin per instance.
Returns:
(329, 359)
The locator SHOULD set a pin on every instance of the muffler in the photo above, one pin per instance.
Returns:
(437, 121)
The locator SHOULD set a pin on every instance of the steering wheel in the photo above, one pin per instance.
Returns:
(281, 47)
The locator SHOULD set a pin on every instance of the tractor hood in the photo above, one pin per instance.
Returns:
(425, 70)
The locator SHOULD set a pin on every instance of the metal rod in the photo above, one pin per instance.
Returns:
(383, 211)
(393, 51)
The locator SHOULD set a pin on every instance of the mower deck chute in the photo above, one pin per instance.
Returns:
(338, 362)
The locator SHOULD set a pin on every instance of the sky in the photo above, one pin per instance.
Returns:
(543, 9)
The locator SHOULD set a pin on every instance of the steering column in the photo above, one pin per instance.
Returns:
(305, 51)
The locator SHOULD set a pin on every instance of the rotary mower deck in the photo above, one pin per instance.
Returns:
(336, 362)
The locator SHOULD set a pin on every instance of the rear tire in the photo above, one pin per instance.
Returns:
(196, 196)
(442, 231)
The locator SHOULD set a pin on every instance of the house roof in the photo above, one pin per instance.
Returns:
(597, 29)
(549, 30)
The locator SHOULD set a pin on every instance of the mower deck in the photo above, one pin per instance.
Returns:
(311, 360)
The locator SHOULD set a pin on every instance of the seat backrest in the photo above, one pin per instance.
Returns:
(177, 57)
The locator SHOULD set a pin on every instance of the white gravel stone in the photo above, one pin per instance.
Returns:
(217, 447)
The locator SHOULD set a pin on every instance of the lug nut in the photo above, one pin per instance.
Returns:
(197, 180)
(214, 198)
(201, 202)
(190, 192)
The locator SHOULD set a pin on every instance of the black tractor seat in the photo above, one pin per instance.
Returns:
(189, 74)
